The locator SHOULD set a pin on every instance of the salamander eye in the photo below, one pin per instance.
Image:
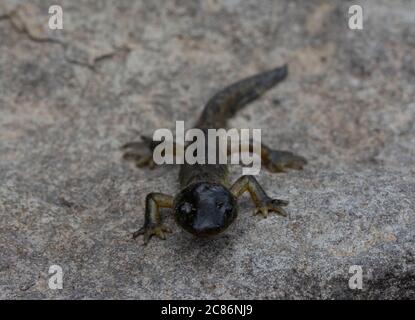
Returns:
(228, 210)
(186, 208)
(219, 205)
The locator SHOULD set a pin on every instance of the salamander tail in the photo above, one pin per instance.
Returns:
(233, 98)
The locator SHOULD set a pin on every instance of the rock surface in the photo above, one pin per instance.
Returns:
(69, 98)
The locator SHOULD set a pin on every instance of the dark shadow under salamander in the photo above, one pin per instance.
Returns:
(207, 203)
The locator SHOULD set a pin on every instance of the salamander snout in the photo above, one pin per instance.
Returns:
(205, 209)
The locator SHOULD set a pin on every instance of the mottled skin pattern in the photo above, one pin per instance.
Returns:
(207, 203)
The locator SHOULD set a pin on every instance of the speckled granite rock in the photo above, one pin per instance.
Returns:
(69, 98)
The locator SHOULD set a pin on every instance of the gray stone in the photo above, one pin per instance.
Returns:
(69, 98)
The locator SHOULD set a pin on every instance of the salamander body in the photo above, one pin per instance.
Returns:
(207, 203)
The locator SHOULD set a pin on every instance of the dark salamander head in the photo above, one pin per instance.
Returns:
(205, 209)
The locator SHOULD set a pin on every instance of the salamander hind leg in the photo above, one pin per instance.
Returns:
(141, 152)
(280, 161)
(275, 160)
(263, 203)
(152, 220)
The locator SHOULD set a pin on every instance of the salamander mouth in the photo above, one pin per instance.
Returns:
(205, 232)
(205, 209)
(208, 234)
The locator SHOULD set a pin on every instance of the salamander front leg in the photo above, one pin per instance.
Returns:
(152, 220)
(262, 201)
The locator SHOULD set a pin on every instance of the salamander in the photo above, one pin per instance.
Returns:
(206, 204)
